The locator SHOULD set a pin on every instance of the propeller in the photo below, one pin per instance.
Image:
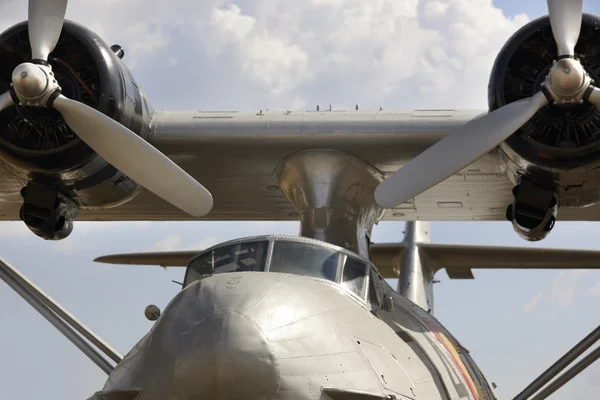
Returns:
(567, 82)
(595, 97)
(45, 23)
(6, 101)
(35, 85)
(565, 19)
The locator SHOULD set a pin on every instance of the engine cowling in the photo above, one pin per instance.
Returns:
(62, 173)
(558, 150)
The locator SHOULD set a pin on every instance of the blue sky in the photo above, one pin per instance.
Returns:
(185, 60)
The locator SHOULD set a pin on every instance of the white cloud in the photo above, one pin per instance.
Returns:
(533, 302)
(563, 291)
(176, 243)
(282, 54)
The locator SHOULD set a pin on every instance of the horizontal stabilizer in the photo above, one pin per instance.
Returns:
(459, 260)
(164, 259)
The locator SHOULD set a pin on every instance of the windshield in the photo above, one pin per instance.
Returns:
(250, 256)
(354, 276)
(304, 259)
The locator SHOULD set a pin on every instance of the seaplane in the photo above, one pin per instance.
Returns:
(311, 316)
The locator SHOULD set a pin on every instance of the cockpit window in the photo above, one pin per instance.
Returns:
(304, 259)
(250, 256)
(354, 276)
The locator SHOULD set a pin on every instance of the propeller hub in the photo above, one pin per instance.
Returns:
(567, 81)
(34, 84)
(567, 76)
(29, 80)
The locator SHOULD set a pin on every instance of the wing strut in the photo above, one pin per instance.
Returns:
(60, 318)
(561, 364)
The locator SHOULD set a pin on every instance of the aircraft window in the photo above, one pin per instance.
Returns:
(238, 257)
(304, 259)
(354, 276)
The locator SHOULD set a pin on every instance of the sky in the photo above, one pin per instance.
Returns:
(251, 55)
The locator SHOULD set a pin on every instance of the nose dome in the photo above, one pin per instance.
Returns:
(228, 358)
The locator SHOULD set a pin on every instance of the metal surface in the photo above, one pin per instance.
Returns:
(45, 24)
(51, 317)
(30, 81)
(559, 365)
(415, 281)
(332, 192)
(457, 260)
(34, 84)
(135, 157)
(64, 314)
(5, 101)
(567, 81)
(565, 17)
(570, 374)
(457, 151)
(282, 336)
(163, 259)
(241, 178)
(594, 97)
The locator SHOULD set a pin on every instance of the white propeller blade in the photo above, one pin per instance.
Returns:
(46, 18)
(595, 97)
(135, 157)
(6, 101)
(565, 19)
(456, 151)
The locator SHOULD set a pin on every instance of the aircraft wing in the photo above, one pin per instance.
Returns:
(234, 155)
(163, 259)
(460, 260)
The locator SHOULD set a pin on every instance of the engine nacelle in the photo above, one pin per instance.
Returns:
(533, 211)
(38, 147)
(558, 150)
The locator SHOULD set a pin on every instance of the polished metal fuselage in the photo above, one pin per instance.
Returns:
(261, 335)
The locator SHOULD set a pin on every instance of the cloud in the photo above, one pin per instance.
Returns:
(533, 302)
(281, 54)
(563, 291)
(176, 243)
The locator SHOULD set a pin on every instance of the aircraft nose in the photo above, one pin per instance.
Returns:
(229, 359)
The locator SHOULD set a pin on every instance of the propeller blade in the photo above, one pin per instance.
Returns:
(46, 19)
(565, 19)
(6, 101)
(594, 97)
(135, 157)
(456, 151)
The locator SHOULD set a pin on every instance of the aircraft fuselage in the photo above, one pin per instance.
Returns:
(268, 335)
